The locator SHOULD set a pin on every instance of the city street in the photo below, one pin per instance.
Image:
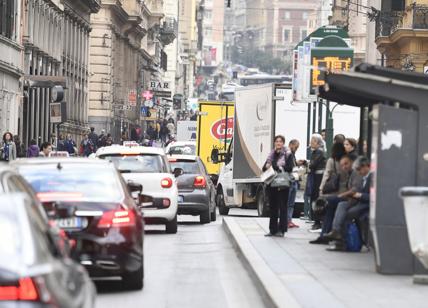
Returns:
(197, 267)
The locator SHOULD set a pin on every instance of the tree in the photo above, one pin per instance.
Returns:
(262, 60)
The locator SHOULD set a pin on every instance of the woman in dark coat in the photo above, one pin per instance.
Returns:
(316, 171)
(281, 160)
(351, 145)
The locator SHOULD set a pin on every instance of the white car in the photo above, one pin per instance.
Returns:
(149, 167)
(181, 148)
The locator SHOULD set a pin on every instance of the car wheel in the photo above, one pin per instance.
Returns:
(214, 214)
(171, 226)
(134, 280)
(205, 217)
(220, 203)
(262, 209)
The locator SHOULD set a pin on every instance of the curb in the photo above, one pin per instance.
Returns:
(273, 291)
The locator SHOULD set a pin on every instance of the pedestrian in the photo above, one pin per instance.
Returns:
(20, 147)
(109, 140)
(351, 148)
(102, 138)
(33, 150)
(158, 128)
(61, 143)
(164, 131)
(86, 146)
(280, 159)
(93, 137)
(293, 146)
(70, 145)
(8, 147)
(171, 127)
(316, 171)
(339, 138)
(46, 149)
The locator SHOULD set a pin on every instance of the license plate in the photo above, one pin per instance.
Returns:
(180, 199)
(72, 223)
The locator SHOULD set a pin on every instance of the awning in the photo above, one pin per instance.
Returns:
(367, 85)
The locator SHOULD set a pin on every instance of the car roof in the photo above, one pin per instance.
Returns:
(189, 142)
(5, 167)
(122, 149)
(182, 157)
(56, 160)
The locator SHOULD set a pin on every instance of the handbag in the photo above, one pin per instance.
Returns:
(281, 180)
(332, 183)
(353, 238)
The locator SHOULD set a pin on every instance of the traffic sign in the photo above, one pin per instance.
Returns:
(165, 94)
(426, 70)
(132, 98)
(148, 95)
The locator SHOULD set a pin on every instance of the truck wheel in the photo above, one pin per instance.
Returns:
(262, 209)
(220, 203)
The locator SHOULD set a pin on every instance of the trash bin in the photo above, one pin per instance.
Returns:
(416, 213)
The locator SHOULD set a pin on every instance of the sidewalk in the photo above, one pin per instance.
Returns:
(293, 273)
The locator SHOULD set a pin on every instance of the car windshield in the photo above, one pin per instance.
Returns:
(189, 167)
(136, 163)
(74, 182)
(188, 149)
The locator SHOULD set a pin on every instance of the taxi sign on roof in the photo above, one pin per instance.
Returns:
(130, 144)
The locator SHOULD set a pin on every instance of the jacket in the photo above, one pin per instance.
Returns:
(282, 160)
(12, 151)
(365, 191)
(333, 167)
(33, 151)
(317, 163)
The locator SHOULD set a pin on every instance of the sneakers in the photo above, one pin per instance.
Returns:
(320, 240)
(278, 234)
(269, 234)
(333, 235)
(292, 225)
(315, 230)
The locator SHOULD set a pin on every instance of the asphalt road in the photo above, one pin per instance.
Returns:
(197, 267)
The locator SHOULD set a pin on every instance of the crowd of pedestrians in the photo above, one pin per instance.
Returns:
(336, 190)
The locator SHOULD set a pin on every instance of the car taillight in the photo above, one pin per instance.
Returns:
(166, 183)
(200, 182)
(25, 290)
(118, 218)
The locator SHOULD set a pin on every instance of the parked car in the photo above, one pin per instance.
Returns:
(181, 148)
(149, 167)
(90, 201)
(196, 190)
(34, 270)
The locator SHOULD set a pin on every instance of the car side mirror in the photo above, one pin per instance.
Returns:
(214, 156)
(135, 187)
(177, 172)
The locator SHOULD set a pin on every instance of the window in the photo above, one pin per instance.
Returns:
(136, 163)
(287, 35)
(287, 15)
(7, 18)
(303, 34)
(305, 15)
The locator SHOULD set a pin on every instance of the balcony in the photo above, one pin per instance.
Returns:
(169, 31)
(415, 17)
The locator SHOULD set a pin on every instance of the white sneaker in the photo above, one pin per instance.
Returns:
(316, 230)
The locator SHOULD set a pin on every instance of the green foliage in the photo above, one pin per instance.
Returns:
(262, 60)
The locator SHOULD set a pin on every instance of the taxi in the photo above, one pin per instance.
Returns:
(149, 167)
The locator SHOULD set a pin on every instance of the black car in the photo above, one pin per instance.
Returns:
(91, 202)
(34, 269)
(196, 191)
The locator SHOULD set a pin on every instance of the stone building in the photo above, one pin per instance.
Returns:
(56, 42)
(11, 66)
(402, 34)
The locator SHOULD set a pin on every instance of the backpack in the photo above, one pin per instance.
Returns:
(353, 238)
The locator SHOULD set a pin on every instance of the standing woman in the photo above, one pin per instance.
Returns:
(351, 148)
(8, 148)
(316, 172)
(281, 161)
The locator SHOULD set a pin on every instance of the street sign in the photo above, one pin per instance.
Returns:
(148, 95)
(165, 94)
(132, 98)
(143, 111)
(57, 112)
(159, 85)
(426, 70)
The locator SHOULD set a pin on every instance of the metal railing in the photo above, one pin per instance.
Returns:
(416, 17)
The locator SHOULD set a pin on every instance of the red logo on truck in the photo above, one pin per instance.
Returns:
(218, 129)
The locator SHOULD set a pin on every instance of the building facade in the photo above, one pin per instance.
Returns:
(170, 23)
(402, 34)
(56, 45)
(213, 33)
(11, 66)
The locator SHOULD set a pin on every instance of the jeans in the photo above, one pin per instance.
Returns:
(355, 212)
(332, 202)
(292, 199)
(278, 207)
(340, 216)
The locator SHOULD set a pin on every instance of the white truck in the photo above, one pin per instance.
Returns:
(261, 112)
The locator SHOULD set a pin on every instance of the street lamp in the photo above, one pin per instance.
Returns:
(416, 212)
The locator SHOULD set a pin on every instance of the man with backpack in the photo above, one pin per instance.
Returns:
(93, 137)
(86, 146)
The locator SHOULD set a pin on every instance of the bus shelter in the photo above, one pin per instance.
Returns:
(397, 102)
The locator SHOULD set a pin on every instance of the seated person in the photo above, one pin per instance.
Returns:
(349, 183)
(353, 208)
